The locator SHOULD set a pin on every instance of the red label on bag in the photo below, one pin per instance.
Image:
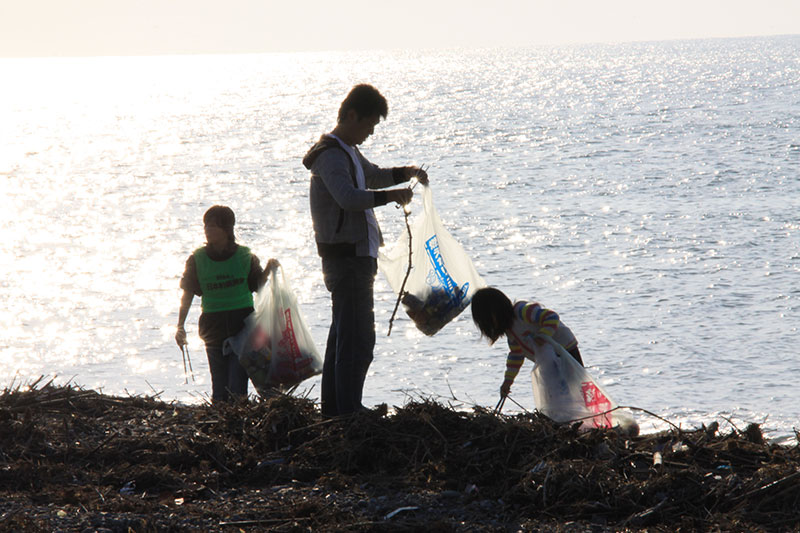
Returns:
(289, 346)
(597, 402)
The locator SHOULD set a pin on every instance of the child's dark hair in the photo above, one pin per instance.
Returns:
(492, 312)
(366, 101)
(222, 216)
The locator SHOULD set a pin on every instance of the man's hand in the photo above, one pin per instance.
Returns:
(505, 388)
(417, 172)
(180, 336)
(400, 196)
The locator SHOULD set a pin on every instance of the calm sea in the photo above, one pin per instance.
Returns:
(649, 193)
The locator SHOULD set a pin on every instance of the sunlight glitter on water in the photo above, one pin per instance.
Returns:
(598, 181)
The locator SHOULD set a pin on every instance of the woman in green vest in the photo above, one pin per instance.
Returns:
(225, 275)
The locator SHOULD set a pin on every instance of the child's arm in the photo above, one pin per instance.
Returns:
(186, 303)
(257, 277)
(532, 313)
(190, 286)
(513, 364)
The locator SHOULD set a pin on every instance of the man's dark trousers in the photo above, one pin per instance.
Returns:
(351, 339)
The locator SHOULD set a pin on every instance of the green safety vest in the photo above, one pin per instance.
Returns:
(224, 283)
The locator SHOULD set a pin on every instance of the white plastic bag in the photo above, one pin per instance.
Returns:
(564, 391)
(275, 346)
(442, 279)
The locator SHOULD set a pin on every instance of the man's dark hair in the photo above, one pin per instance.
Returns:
(222, 216)
(366, 101)
(492, 312)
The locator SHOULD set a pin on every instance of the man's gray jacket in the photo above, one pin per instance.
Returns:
(337, 203)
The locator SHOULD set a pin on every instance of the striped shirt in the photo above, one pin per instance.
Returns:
(531, 319)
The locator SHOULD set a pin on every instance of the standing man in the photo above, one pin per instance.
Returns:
(343, 194)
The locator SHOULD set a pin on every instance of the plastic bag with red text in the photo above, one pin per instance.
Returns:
(275, 346)
(564, 391)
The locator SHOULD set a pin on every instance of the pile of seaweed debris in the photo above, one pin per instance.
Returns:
(76, 460)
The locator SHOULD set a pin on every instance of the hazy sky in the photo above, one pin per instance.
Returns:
(144, 27)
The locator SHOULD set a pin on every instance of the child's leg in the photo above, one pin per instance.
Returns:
(237, 377)
(218, 366)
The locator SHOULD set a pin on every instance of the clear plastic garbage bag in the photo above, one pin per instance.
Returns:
(442, 279)
(275, 346)
(564, 391)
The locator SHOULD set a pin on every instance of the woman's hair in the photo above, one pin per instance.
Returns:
(223, 217)
(492, 312)
(366, 101)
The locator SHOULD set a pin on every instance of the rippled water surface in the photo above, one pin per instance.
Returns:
(649, 193)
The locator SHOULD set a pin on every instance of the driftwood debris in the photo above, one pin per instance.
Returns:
(74, 459)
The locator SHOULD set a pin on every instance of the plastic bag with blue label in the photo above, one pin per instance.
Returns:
(275, 346)
(442, 278)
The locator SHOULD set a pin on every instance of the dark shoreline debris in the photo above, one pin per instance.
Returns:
(73, 460)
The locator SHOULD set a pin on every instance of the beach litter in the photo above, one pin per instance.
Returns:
(277, 464)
